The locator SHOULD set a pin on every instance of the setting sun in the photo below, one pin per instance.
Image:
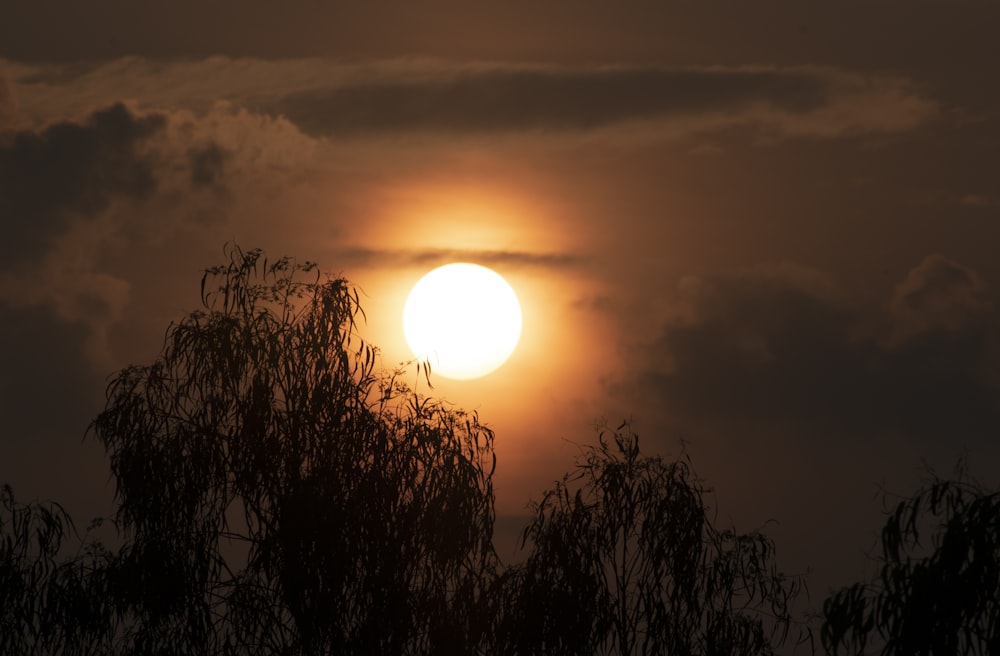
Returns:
(464, 319)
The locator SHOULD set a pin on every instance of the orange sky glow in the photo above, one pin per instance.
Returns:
(766, 234)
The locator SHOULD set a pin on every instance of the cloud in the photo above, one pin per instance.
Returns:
(82, 199)
(71, 169)
(49, 392)
(430, 97)
(393, 258)
(981, 201)
(74, 171)
(43, 369)
(777, 351)
(938, 295)
(513, 100)
(208, 163)
(663, 101)
(8, 101)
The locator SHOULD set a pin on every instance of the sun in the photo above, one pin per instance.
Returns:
(464, 319)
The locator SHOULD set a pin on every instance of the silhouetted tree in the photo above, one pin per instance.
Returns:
(277, 495)
(624, 560)
(938, 588)
(47, 584)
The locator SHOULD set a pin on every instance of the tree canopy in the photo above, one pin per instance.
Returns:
(625, 560)
(278, 493)
(937, 590)
(49, 601)
(362, 514)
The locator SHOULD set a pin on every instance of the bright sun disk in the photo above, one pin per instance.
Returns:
(464, 319)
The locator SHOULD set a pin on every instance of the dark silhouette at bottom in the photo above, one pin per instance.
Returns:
(277, 494)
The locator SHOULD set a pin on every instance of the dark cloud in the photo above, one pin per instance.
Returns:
(47, 386)
(770, 351)
(49, 394)
(557, 99)
(208, 166)
(980, 201)
(71, 169)
(939, 294)
(8, 102)
(348, 257)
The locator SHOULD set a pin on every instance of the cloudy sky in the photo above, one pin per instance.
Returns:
(768, 230)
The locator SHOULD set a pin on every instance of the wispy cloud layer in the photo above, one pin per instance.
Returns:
(437, 97)
(505, 99)
(367, 257)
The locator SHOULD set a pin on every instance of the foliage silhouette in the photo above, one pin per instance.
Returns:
(47, 600)
(277, 496)
(624, 560)
(937, 596)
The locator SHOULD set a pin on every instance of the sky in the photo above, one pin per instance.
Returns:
(762, 232)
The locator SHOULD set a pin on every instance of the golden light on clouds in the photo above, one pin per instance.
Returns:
(459, 215)
(428, 221)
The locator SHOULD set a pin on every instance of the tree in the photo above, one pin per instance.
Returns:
(47, 601)
(624, 560)
(277, 495)
(931, 596)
